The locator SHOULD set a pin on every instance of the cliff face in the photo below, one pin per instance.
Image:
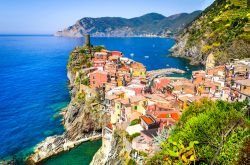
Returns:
(82, 118)
(152, 24)
(111, 151)
(223, 30)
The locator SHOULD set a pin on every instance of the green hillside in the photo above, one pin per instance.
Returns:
(223, 29)
(149, 24)
(208, 133)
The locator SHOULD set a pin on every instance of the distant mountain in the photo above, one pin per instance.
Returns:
(223, 30)
(152, 24)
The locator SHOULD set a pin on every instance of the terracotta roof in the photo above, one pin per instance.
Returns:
(137, 98)
(110, 126)
(116, 53)
(137, 65)
(111, 97)
(147, 119)
(99, 72)
(245, 82)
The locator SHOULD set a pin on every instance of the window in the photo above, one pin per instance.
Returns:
(93, 77)
(135, 107)
(93, 82)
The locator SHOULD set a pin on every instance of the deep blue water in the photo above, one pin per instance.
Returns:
(33, 82)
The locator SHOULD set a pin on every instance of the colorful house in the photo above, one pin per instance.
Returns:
(139, 103)
(116, 53)
(148, 122)
(138, 70)
(101, 56)
(98, 78)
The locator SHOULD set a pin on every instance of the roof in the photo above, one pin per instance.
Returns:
(148, 119)
(99, 72)
(134, 129)
(136, 86)
(111, 97)
(110, 126)
(101, 53)
(137, 65)
(245, 82)
(156, 97)
(116, 53)
(135, 99)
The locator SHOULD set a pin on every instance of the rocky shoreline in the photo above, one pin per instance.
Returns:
(80, 121)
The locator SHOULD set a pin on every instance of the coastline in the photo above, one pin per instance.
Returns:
(71, 146)
(57, 144)
(75, 133)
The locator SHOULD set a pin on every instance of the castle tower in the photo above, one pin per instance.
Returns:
(87, 40)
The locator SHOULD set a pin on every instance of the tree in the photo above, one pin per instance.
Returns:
(219, 127)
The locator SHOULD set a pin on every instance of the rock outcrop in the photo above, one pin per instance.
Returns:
(83, 118)
(111, 151)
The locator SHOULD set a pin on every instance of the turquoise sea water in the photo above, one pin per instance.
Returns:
(33, 83)
(80, 155)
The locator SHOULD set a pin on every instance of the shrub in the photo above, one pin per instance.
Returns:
(134, 122)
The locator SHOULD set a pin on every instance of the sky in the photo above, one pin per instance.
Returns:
(49, 16)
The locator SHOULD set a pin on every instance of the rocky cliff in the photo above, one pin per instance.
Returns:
(223, 30)
(83, 118)
(111, 152)
(152, 24)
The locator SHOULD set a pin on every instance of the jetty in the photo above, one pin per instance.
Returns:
(164, 71)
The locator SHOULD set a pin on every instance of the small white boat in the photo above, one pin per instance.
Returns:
(167, 65)
(146, 56)
(132, 54)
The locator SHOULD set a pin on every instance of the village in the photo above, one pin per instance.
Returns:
(145, 107)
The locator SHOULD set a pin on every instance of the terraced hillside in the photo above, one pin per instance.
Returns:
(223, 29)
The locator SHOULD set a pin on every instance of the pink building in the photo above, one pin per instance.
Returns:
(99, 63)
(98, 78)
(160, 83)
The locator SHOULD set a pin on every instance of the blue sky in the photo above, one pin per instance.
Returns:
(48, 16)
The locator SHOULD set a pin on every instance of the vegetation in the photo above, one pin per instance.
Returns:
(134, 122)
(81, 57)
(223, 29)
(208, 133)
(146, 24)
(85, 81)
(99, 48)
(131, 137)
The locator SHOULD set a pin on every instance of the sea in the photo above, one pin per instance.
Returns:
(33, 88)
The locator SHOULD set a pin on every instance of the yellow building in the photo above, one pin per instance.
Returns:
(139, 104)
(138, 69)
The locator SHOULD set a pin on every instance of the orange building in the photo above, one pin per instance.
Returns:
(98, 78)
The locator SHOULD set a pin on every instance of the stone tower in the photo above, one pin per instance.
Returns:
(87, 40)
